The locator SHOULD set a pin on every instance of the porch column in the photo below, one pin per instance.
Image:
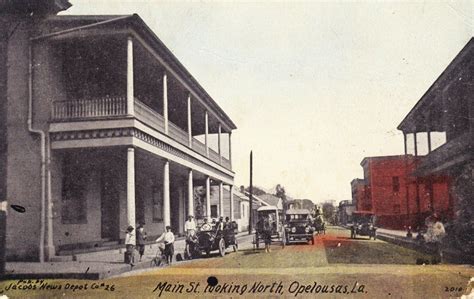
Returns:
(166, 193)
(231, 187)
(405, 143)
(219, 132)
(206, 125)
(181, 210)
(165, 101)
(208, 198)
(131, 186)
(416, 145)
(130, 99)
(190, 128)
(230, 149)
(407, 180)
(429, 141)
(190, 193)
(221, 199)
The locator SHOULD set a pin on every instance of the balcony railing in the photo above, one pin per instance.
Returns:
(455, 150)
(199, 147)
(109, 107)
(89, 108)
(178, 134)
(149, 116)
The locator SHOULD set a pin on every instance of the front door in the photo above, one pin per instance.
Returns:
(109, 206)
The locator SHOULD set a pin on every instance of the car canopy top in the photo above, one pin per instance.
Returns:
(298, 212)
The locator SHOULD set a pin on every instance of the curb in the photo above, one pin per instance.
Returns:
(90, 275)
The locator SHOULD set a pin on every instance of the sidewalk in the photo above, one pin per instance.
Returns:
(93, 265)
(399, 237)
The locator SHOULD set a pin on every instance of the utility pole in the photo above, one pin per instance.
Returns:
(250, 193)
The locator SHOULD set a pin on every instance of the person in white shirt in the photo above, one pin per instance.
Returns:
(130, 246)
(168, 238)
(189, 225)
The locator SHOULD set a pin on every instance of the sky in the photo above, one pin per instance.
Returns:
(313, 87)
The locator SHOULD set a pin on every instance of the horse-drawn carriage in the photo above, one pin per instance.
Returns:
(319, 225)
(211, 238)
(274, 217)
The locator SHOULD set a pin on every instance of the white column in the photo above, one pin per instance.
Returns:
(165, 101)
(166, 194)
(231, 187)
(181, 210)
(206, 124)
(190, 193)
(219, 143)
(221, 199)
(190, 128)
(130, 96)
(131, 186)
(208, 197)
(230, 149)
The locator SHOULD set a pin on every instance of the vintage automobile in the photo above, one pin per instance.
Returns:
(210, 238)
(363, 225)
(299, 226)
(275, 218)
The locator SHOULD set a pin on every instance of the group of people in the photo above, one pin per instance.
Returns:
(136, 240)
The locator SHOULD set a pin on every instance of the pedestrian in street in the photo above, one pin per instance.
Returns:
(267, 234)
(130, 242)
(141, 238)
(168, 239)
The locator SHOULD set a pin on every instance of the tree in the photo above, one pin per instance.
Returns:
(328, 212)
(281, 193)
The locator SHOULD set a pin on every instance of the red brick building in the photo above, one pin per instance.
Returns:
(397, 197)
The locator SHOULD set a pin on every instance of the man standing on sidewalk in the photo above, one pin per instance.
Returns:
(130, 246)
(168, 238)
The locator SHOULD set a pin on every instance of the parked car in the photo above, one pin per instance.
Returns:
(299, 226)
(209, 238)
(363, 225)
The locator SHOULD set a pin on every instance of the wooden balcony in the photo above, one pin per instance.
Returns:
(116, 108)
(448, 155)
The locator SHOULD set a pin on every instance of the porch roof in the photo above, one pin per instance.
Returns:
(134, 22)
(428, 112)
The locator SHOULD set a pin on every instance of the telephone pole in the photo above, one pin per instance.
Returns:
(250, 193)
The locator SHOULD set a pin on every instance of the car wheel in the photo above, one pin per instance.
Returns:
(222, 247)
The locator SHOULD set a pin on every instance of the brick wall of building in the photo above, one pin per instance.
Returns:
(391, 192)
